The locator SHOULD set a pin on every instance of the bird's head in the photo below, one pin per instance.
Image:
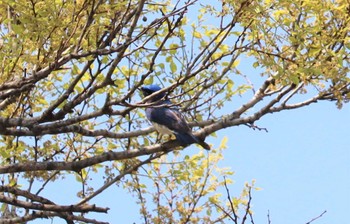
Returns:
(150, 89)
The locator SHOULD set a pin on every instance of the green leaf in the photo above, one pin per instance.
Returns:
(197, 34)
(223, 144)
(173, 67)
(295, 79)
(161, 65)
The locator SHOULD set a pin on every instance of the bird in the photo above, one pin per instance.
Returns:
(168, 120)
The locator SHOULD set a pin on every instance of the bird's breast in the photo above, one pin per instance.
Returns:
(162, 129)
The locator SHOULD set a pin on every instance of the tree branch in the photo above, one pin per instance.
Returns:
(26, 194)
(235, 216)
(52, 207)
(324, 212)
(46, 215)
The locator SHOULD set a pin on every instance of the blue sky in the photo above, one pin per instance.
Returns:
(301, 164)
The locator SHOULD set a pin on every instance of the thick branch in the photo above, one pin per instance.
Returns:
(46, 215)
(52, 207)
(26, 194)
(78, 165)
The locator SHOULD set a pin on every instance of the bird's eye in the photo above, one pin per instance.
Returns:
(146, 92)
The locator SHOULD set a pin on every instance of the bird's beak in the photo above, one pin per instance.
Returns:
(142, 90)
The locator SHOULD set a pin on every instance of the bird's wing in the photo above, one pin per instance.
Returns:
(174, 120)
(171, 118)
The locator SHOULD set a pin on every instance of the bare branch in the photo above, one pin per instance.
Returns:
(46, 215)
(314, 219)
(253, 126)
(247, 210)
(52, 207)
(268, 217)
(25, 194)
(235, 216)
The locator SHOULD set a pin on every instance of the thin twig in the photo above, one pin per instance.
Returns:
(247, 210)
(317, 217)
(268, 217)
(235, 219)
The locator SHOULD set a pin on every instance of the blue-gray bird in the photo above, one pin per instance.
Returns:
(168, 120)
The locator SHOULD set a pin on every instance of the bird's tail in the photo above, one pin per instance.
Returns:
(189, 138)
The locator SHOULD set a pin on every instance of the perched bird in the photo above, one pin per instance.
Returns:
(168, 120)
